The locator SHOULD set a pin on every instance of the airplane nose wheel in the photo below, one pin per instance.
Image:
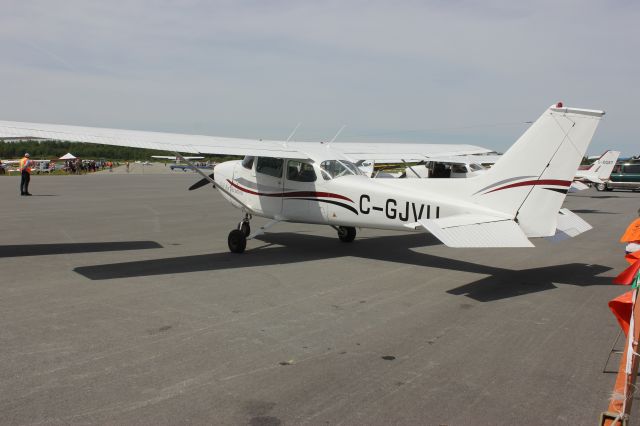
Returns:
(238, 237)
(237, 241)
(346, 233)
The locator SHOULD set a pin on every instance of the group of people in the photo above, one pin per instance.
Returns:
(78, 166)
(27, 166)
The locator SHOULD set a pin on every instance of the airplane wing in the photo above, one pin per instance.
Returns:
(474, 230)
(173, 142)
(403, 152)
(198, 144)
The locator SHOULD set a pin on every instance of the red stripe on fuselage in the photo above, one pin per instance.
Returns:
(534, 183)
(290, 194)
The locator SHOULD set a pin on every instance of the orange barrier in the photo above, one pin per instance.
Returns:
(627, 312)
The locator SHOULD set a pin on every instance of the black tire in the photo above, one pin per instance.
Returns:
(601, 186)
(245, 228)
(237, 241)
(346, 233)
(608, 188)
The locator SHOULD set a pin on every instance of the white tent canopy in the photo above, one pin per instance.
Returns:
(68, 156)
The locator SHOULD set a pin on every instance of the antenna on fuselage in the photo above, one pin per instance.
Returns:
(337, 134)
(291, 135)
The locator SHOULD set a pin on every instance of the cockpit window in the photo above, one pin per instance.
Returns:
(475, 167)
(332, 169)
(270, 166)
(300, 172)
(247, 162)
(458, 168)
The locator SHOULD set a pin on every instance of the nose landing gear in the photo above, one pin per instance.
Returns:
(237, 239)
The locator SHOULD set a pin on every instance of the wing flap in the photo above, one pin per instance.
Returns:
(477, 231)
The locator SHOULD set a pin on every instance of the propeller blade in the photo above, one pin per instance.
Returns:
(202, 182)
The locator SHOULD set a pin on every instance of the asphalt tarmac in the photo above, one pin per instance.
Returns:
(120, 304)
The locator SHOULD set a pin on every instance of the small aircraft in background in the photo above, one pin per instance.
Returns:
(175, 158)
(519, 198)
(177, 165)
(10, 165)
(38, 166)
(598, 173)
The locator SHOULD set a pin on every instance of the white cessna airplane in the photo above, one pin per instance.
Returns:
(598, 172)
(520, 197)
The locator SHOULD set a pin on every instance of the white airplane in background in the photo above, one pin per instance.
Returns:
(599, 172)
(175, 158)
(518, 198)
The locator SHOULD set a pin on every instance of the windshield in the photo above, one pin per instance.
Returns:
(475, 167)
(332, 169)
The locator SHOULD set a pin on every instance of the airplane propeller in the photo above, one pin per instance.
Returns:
(202, 182)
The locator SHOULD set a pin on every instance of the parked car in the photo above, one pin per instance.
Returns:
(625, 175)
(183, 167)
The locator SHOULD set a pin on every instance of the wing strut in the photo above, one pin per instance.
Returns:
(218, 187)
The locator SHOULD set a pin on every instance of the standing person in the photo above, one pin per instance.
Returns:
(25, 171)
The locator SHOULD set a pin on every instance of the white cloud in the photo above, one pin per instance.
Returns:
(257, 68)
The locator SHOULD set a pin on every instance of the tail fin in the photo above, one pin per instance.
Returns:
(530, 181)
(601, 169)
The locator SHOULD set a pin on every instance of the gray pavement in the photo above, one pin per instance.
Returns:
(120, 304)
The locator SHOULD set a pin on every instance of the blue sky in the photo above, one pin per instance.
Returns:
(430, 71)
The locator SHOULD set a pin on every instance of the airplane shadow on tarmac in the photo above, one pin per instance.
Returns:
(66, 248)
(285, 248)
(592, 211)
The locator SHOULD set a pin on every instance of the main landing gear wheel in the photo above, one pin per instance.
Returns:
(601, 186)
(237, 241)
(346, 233)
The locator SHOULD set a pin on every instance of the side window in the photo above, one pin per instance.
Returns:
(632, 168)
(458, 168)
(247, 162)
(270, 166)
(300, 172)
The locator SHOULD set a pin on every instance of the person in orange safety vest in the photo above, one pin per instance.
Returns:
(25, 171)
(632, 236)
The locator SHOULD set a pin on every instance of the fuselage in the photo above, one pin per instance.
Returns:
(348, 200)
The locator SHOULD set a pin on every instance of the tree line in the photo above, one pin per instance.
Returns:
(50, 150)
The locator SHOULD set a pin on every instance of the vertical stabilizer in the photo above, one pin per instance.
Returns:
(531, 180)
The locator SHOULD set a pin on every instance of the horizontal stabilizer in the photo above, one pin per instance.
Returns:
(592, 177)
(577, 186)
(471, 230)
(569, 225)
